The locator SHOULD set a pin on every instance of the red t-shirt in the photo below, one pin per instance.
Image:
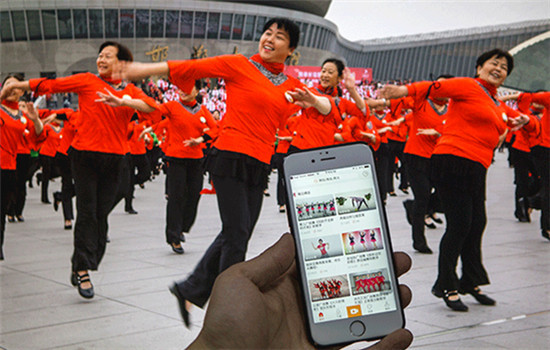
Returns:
(185, 122)
(11, 133)
(424, 116)
(475, 120)
(542, 98)
(256, 107)
(100, 128)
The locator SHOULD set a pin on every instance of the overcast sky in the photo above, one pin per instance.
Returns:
(369, 19)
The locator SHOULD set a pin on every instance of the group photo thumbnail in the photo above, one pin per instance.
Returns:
(315, 207)
(362, 241)
(370, 282)
(329, 288)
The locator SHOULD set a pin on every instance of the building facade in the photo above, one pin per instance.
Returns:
(61, 37)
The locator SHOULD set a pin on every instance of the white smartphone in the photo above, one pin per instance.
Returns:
(343, 247)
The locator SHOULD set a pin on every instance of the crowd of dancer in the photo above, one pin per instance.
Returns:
(441, 133)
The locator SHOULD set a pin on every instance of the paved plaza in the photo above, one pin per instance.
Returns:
(133, 309)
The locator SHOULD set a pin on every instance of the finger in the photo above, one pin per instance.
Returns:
(406, 295)
(402, 262)
(399, 339)
(271, 264)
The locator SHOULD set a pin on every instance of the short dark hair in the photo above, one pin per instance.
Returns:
(338, 63)
(498, 53)
(17, 76)
(291, 28)
(123, 54)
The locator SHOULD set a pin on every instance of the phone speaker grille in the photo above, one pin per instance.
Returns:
(329, 158)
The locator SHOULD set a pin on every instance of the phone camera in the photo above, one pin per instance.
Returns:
(313, 160)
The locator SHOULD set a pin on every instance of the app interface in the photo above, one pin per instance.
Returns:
(345, 253)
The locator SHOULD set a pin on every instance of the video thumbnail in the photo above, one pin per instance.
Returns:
(370, 282)
(329, 288)
(353, 202)
(315, 207)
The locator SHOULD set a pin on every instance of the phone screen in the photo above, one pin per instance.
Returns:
(344, 251)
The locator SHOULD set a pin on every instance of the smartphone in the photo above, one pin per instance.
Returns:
(343, 247)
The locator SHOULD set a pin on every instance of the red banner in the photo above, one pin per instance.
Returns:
(313, 73)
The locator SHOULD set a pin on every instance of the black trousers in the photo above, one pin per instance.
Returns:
(63, 163)
(7, 187)
(96, 178)
(395, 149)
(382, 164)
(542, 162)
(239, 204)
(278, 159)
(419, 169)
(523, 165)
(48, 172)
(183, 185)
(16, 206)
(461, 184)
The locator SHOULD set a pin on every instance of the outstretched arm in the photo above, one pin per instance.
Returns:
(114, 101)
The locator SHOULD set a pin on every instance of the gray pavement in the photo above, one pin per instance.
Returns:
(133, 308)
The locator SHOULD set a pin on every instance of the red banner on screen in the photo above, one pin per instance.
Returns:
(313, 73)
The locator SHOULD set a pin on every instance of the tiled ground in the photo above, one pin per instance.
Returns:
(133, 308)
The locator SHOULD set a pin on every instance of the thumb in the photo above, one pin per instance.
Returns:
(399, 339)
(271, 264)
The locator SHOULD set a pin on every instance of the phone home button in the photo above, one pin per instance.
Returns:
(357, 328)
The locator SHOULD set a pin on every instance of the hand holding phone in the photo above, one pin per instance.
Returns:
(343, 248)
(256, 304)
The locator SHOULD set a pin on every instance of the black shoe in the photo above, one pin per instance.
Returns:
(523, 210)
(480, 297)
(429, 224)
(424, 249)
(455, 305)
(38, 178)
(74, 279)
(267, 194)
(182, 237)
(11, 218)
(108, 239)
(181, 302)
(68, 227)
(177, 250)
(436, 220)
(131, 211)
(545, 234)
(438, 293)
(20, 218)
(282, 208)
(87, 293)
(408, 204)
(392, 194)
(404, 190)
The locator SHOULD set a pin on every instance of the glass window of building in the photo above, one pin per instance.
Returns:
(249, 27)
(142, 23)
(5, 26)
(199, 27)
(18, 18)
(80, 24)
(259, 27)
(213, 25)
(238, 22)
(33, 23)
(225, 32)
(186, 24)
(111, 23)
(127, 18)
(95, 18)
(48, 22)
(157, 23)
(65, 24)
(172, 24)
(50, 75)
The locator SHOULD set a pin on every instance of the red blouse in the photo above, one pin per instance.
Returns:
(100, 128)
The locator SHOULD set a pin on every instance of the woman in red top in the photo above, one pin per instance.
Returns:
(315, 130)
(96, 153)
(260, 97)
(475, 123)
(190, 125)
(14, 125)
